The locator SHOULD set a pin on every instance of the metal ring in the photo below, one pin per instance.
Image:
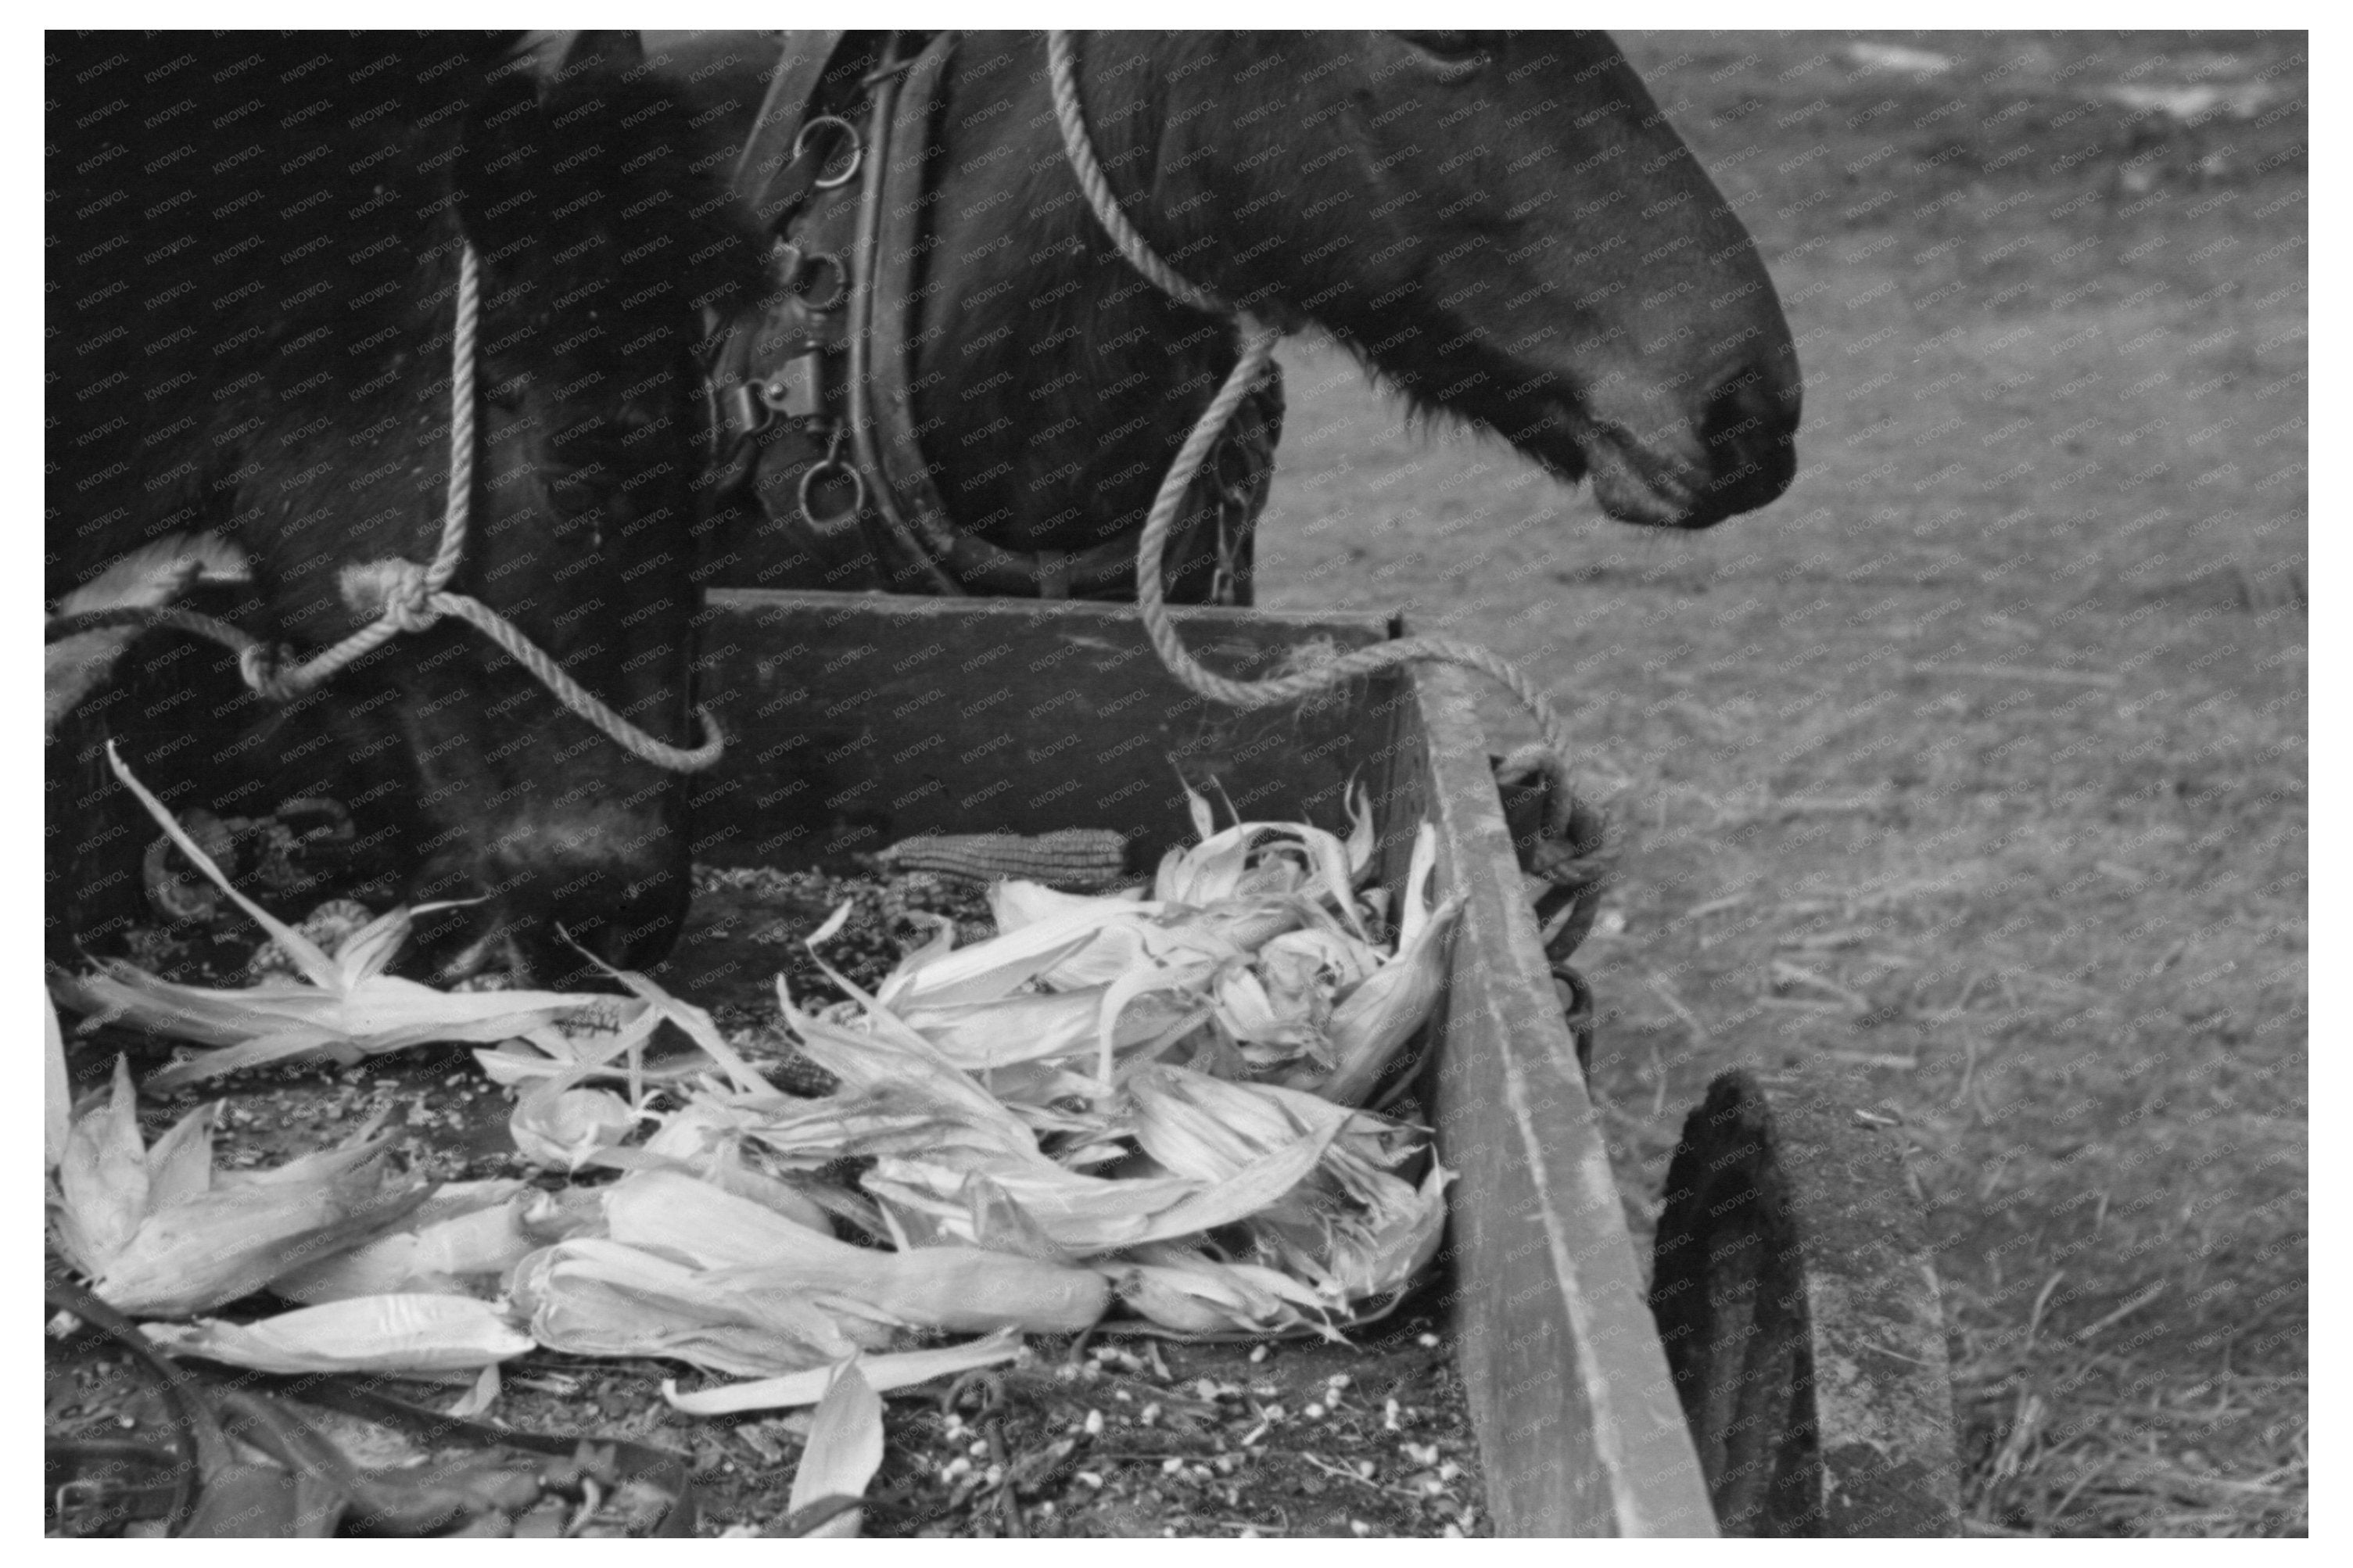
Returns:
(809, 481)
(813, 263)
(832, 124)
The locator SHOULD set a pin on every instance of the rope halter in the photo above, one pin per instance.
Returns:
(1549, 757)
(405, 596)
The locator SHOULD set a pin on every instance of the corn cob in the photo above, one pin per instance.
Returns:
(1078, 858)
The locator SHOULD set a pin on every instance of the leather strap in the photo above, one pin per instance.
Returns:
(771, 181)
(921, 519)
(911, 539)
(903, 540)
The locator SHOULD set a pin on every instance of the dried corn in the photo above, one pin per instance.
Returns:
(1081, 858)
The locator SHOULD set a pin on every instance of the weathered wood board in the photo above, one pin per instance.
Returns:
(855, 721)
(1578, 1426)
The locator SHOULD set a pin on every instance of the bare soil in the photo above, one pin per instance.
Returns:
(1978, 761)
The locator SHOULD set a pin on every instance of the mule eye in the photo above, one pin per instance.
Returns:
(1462, 50)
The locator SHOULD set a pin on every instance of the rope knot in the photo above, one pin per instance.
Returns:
(266, 671)
(396, 592)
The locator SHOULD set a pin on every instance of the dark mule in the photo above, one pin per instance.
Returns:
(1503, 226)
(254, 242)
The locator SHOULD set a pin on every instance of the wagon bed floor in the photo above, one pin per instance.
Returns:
(1118, 1437)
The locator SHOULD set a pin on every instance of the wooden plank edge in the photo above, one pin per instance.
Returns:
(1589, 1273)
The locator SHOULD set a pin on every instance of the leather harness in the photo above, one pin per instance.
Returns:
(810, 391)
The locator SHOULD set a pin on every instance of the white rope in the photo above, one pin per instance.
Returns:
(1550, 756)
(410, 598)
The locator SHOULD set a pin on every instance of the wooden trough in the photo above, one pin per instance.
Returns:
(1783, 1373)
(856, 721)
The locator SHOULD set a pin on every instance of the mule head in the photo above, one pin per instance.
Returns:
(594, 272)
(1507, 227)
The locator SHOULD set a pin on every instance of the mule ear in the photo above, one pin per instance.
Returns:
(608, 52)
(588, 178)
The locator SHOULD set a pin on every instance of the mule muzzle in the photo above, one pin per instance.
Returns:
(556, 889)
(1665, 466)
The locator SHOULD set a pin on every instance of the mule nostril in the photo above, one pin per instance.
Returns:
(1748, 425)
(1747, 408)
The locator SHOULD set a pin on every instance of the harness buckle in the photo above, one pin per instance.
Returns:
(791, 392)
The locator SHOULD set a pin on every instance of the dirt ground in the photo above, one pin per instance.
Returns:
(1979, 760)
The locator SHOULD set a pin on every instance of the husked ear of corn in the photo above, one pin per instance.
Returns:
(1081, 858)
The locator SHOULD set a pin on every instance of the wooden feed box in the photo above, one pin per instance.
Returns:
(855, 721)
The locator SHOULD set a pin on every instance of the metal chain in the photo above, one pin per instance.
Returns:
(1550, 755)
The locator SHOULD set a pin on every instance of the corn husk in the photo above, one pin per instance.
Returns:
(961, 1290)
(409, 1335)
(844, 1450)
(707, 1138)
(476, 1401)
(1301, 861)
(1184, 1289)
(155, 573)
(1015, 902)
(1394, 1242)
(345, 1006)
(1372, 1022)
(808, 1134)
(695, 1022)
(460, 1241)
(56, 1091)
(885, 1372)
(559, 1127)
(160, 1233)
(1247, 961)
(1353, 1231)
(986, 971)
(893, 1060)
(583, 1047)
(594, 1296)
(1084, 1214)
